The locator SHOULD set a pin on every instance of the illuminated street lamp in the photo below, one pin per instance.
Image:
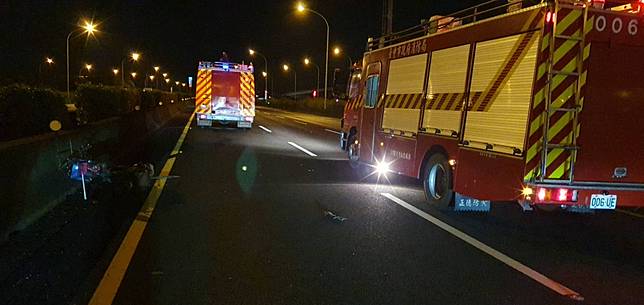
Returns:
(337, 52)
(88, 28)
(156, 70)
(301, 8)
(177, 83)
(165, 75)
(151, 77)
(286, 68)
(115, 71)
(133, 74)
(135, 57)
(252, 53)
(49, 61)
(307, 62)
(87, 67)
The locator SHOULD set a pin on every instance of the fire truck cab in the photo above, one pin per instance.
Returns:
(225, 93)
(508, 101)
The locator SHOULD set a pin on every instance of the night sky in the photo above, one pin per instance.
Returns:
(177, 34)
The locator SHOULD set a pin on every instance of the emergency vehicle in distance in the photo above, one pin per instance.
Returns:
(225, 93)
(540, 105)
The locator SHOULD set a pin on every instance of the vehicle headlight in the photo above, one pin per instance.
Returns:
(382, 167)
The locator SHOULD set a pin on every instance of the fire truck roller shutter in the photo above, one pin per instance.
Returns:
(445, 89)
(404, 93)
(500, 92)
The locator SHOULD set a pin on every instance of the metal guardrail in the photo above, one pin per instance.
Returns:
(472, 14)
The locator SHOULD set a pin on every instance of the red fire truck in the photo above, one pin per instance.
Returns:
(225, 93)
(507, 101)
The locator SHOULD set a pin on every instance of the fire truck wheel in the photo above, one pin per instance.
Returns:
(437, 181)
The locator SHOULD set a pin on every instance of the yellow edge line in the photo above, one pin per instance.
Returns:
(111, 281)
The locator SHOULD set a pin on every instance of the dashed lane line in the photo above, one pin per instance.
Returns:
(333, 131)
(265, 129)
(111, 281)
(516, 265)
(306, 151)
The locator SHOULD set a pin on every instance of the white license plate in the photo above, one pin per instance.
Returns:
(603, 202)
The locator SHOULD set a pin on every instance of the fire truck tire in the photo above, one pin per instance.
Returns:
(437, 181)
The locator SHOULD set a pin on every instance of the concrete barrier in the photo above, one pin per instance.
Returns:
(32, 181)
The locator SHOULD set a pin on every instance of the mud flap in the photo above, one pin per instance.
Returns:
(469, 204)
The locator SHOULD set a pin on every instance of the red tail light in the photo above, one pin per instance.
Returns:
(541, 195)
(562, 195)
(556, 195)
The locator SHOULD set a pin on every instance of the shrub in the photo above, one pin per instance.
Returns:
(26, 111)
(100, 102)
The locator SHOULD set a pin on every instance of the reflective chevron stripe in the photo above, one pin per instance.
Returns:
(203, 91)
(562, 88)
(445, 101)
(405, 101)
(484, 101)
(247, 93)
(354, 103)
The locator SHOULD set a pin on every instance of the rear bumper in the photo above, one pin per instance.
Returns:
(204, 119)
(628, 194)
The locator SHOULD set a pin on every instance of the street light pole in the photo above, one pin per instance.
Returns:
(68, 37)
(317, 67)
(123, 71)
(89, 28)
(253, 52)
(286, 67)
(301, 8)
(135, 57)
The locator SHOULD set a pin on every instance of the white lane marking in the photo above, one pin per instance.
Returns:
(333, 131)
(308, 152)
(265, 129)
(300, 122)
(542, 279)
(630, 213)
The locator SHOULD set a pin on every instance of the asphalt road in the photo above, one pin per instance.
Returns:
(250, 220)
